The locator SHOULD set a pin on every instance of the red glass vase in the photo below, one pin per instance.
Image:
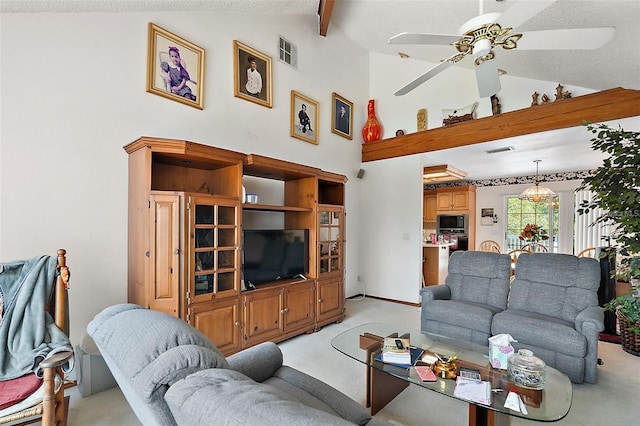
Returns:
(372, 130)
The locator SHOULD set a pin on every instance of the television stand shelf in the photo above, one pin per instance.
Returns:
(268, 207)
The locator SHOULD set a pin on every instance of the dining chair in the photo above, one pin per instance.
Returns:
(535, 248)
(588, 252)
(490, 246)
(513, 254)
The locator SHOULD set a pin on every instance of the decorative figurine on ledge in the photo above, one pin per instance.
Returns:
(560, 95)
(495, 105)
(534, 98)
(422, 119)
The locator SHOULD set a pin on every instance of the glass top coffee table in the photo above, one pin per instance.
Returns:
(385, 381)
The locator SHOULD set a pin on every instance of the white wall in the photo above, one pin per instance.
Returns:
(73, 94)
(390, 226)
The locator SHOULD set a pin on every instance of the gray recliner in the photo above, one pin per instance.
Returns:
(553, 311)
(171, 374)
(476, 288)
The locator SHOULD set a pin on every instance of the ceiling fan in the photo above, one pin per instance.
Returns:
(479, 36)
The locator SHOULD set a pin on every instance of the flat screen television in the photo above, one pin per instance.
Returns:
(274, 254)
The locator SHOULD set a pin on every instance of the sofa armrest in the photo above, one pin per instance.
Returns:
(257, 362)
(591, 317)
(435, 292)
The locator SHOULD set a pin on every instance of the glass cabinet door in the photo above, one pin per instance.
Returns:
(330, 239)
(214, 247)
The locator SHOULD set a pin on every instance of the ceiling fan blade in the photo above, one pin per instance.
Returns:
(522, 11)
(569, 39)
(488, 78)
(426, 76)
(423, 38)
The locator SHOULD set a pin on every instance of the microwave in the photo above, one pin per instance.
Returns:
(453, 224)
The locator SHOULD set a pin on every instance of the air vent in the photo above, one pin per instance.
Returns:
(497, 150)
(288, 52)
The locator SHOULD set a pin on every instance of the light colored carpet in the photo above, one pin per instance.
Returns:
(612, 401)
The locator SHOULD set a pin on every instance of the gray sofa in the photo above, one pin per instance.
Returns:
(550, 308)
(171, 374)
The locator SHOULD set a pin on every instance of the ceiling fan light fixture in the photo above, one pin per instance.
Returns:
(482, 47)
(537, 193)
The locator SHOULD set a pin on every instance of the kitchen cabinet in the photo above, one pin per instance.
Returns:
(430, 207)
(455, 199)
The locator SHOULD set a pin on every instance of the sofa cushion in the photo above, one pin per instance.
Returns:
(227, 397)
(540, 330)
(475, 316)
(480, 277)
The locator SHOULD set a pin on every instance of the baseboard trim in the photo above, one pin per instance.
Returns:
(401, 302)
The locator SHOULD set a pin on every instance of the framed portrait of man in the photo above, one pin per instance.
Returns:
(304, 118)
(252, 77)
(342, 122)
(175, 67)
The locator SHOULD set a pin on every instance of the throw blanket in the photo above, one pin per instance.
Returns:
(27, 331)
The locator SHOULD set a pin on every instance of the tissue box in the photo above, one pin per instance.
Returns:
(499, 355)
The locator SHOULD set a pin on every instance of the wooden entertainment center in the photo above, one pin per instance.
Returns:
(184, 242)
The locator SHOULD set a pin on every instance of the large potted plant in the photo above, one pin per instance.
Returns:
(616, 188)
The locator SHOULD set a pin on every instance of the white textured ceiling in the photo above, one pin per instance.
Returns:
(371, 23)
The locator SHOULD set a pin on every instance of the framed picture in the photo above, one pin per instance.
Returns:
(252, 77)
(304, 118)
(341, 110)
(175, 67)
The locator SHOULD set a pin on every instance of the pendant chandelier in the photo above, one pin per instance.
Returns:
(537, 193)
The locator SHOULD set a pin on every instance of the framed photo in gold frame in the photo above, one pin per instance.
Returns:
(304, 118)
(341, 111)
(252, 76)
(175, 67)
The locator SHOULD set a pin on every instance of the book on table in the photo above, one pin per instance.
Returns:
(410, 356)
(396, 350)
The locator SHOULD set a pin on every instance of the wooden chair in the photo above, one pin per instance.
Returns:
(513, 254)
(535, 248)
(588, 252)
(52, 410)
(490, 245)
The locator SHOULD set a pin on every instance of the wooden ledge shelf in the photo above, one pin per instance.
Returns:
(596, 107)
(268, 207)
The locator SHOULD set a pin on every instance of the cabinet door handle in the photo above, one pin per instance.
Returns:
(320, 301)
(237, 323)
(284, 311)
(176, 251)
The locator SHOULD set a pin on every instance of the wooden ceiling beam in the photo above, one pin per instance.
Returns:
(325, 8)
(596, 107)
